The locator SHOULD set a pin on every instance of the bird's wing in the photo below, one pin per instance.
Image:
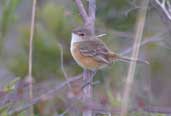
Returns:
(95, 49)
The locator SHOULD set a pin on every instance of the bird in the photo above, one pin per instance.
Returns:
(92, 53)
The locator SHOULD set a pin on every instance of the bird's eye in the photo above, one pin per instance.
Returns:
(81, 34)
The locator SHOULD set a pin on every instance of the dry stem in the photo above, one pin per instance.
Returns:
(136, 47)
(30, 55)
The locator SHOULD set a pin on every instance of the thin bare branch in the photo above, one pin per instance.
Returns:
(92, 16)
(82, 10)
(88, 90)
(89, 23)
(133, 7)
(30, 53)
(38, 99)
(155, 38)
(92, 10)
(165, 6)
(136, 47)
(91, 105)
(31, 38)
(62, 65)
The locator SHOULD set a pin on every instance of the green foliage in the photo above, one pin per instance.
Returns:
(152, 46)
(4, 109)
(45, 55)
(118, 4)
(53, 16)
(46, 52)
(19, 65)
(112, 13)
(114, 102)
(11, 85)
(53, 27)
(55, 21)
(123, 23)
(8, 15)
(156, 66)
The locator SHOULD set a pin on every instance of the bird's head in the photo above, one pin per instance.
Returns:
(80, 34)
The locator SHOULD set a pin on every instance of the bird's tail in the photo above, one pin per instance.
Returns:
(125, 59)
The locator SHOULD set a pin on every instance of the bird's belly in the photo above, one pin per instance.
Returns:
(86, 62)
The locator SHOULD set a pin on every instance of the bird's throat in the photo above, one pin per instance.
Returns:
(75, 38)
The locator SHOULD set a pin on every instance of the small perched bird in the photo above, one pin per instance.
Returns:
(91, 53)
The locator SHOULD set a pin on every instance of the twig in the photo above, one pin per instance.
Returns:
(88, 90)
(91, 105)
(162, 15)
(136, 47)
(89, 21)
(133, 6)
(30, 79)
(38, 99)
(92, 16)
(82, 10)
(62, 66)
(155, 38)
(165, 6)
(92, 9)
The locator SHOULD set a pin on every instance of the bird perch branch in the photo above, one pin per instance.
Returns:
(82, 10)
(89, 21)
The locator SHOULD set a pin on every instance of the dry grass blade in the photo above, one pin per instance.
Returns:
(62, 65)
(30, 54)
(136, 47)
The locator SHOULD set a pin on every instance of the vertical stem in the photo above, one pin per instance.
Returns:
(136, 47)
(88, 90)
(87, 74)
(62, 66)
(92, 15)
(89, 23)
(30, 55)
(82, 10)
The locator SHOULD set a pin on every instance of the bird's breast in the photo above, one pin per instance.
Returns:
(86, 62)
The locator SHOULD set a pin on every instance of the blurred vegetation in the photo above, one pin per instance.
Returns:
(8, 17)
(54, 22)
(52, 27)
(112, 13)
